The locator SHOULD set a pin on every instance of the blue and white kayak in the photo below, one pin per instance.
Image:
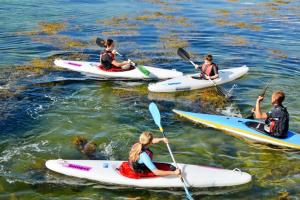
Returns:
(246, 128)
(193, 81)
(107, 172)
(92, 69)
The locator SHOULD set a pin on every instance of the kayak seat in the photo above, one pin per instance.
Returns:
(260, 128)
(127, 171)
(115, 69)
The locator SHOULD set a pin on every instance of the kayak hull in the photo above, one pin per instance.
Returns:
(92, 69)
(106, 172)
(237, 126)
(189, 82)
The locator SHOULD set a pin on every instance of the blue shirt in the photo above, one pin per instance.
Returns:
(146, 160)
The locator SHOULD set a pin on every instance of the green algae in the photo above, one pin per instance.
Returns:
(236, 40)
(277, 53)
(49, 28)
(172, 42)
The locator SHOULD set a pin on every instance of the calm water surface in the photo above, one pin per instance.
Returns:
(43, 110)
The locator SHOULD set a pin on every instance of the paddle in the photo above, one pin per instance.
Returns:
(156, 117)
(251, 116)
(101, 43)
(183, 54)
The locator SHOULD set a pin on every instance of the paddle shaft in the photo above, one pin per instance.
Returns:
(207, 76)
(174, 161)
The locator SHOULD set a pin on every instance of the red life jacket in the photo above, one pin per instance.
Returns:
(126, 170)
(207, 68)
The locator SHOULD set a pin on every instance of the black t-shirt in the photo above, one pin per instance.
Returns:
(279, 116)
(106, 60)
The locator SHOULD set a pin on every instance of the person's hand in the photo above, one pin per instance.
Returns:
(206, 77)
(165, 140)
(260, 98)
(177, 172)
(196, 66)
(253, 110)
(114, 51)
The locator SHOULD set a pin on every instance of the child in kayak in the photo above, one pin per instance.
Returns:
(107, 58)
(140, 156)
(277, 119)
(208, 68)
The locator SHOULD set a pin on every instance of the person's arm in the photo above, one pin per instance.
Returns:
(119, 64)
(257, 111)
(158, 140)
(150, 165)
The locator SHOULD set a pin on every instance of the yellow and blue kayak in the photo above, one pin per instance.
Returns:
(245, 128)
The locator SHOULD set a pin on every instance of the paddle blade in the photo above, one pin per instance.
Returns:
(100, 42)
(155, 115)
(143, 70)
(183, 54)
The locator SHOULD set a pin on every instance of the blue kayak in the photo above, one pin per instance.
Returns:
(246, 128)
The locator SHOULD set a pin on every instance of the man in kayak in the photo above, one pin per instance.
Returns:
(140, 156)
(208, 68)
(107, 58)
(277, 119)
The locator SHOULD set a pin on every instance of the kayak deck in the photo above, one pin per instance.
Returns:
(238, 127)
(191, 82)
(107, 172)
(92, 69)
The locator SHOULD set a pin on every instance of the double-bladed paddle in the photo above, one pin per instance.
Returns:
(185, 55)
(101, 43)
(156, 117)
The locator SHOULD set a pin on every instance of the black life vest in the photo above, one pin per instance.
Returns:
(141, 168)
(106, 64)
(207, 69)
(278, 122)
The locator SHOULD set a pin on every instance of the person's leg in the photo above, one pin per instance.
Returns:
(126, 66)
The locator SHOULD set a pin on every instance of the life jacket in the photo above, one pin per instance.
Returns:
(278, 122)
(208, 68)
(126, 170)
(141, 168)
(105, 64)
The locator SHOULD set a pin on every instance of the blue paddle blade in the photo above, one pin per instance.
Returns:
(155, 115)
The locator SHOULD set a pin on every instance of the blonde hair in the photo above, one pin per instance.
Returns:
(145, 139)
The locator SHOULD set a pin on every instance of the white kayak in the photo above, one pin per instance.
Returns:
(107, 172)
(192, 81)
(92, 69)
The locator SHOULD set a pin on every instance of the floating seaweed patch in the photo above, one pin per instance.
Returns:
(69, 43)
(233, 1)
(236, 40)
(277, 53)
(52, 28)
(173, 41)
(223, 12)
(120, 33)
(223, 22)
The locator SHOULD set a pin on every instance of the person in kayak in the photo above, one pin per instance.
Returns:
(208, 68)
(277, 119)
(107, 57)
(140, 156)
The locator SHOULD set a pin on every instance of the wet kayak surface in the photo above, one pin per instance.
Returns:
(45, 110)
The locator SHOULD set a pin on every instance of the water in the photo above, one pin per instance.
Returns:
(42, 111)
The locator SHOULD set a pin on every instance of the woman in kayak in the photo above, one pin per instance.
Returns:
(277, 119)
(208, 68)
(107, 57)
(140, 156)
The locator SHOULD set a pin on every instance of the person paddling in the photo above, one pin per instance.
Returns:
(277, 119)
(140, 156)
(107, 57)
(208, 68)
